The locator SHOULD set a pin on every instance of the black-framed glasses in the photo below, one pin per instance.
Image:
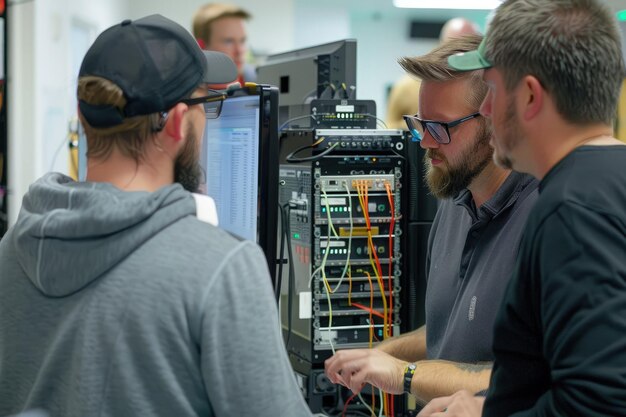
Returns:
(212, 103)
(440, 131)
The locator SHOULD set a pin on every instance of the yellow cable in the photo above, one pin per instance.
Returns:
(317, 142)
(371, 327)
(375, 268)
(362, 189)
(330, 315)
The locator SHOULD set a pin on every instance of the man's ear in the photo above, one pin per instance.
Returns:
(533, 96)
(174, 125)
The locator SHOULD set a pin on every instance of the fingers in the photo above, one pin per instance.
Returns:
(460, 404)
(436, 406)
(354, 368)
(340, 366)
(350, 372)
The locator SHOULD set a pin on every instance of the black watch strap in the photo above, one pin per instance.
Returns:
(409, 371)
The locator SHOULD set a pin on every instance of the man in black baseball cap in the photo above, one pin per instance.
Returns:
(118, 295)
(159, 74)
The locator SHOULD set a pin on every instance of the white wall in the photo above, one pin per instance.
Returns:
(270, 30)
(22, 156)
(373, 80)
(320, 22)
(43, 64)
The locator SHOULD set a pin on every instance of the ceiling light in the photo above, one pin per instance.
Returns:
(448, 4)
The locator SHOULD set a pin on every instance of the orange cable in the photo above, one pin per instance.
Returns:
(372, 251)
(391, 229)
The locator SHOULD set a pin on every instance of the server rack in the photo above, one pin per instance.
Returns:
(343, 198)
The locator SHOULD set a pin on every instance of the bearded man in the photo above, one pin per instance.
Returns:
(114, 291)
(472, 245)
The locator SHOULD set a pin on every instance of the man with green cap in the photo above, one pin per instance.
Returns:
(554, 71)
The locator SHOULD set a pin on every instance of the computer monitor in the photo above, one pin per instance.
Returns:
(308, 73)
(240, 156)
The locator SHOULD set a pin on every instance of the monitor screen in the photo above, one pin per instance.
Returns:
(240, 157)
(232, 164)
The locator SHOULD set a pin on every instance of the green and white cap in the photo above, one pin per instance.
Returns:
(470, 61)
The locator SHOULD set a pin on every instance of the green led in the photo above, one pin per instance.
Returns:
(621, 15)
(296, 235)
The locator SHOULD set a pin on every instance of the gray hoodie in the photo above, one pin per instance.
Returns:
(121, 304)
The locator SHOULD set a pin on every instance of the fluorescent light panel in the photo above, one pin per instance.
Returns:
(448, 4)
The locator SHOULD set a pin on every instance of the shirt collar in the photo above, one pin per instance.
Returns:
(506, 196)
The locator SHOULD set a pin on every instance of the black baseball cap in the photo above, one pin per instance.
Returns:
(155, 62)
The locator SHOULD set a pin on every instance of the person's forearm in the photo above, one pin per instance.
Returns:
(438, 378)
(410, 347)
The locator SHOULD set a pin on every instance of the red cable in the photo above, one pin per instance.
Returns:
(345, 407)
(369, 310)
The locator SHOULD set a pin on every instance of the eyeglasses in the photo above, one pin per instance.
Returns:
(440, 131)
(212, 103)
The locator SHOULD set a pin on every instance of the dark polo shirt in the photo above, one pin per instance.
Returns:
(470, 259)
(560, 334)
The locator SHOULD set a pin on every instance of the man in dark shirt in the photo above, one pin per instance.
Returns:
(472, 244)
(560, 334)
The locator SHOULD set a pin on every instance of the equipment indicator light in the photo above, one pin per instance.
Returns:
(296, 235)
(621, 16)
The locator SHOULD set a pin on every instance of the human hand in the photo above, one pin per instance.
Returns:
(459, 404)
(356, 367)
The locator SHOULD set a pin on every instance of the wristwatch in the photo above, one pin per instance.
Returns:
(409, 371)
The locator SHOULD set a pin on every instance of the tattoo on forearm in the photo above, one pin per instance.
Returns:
(474, 367)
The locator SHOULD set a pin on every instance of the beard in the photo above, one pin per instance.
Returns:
(510, 137)
(452, 178)
(187, 169)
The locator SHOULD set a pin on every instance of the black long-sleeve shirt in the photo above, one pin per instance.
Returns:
(560, 334)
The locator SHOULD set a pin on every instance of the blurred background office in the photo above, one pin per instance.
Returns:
(46, 40)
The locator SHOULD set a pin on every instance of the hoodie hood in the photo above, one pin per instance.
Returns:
(69, 233)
